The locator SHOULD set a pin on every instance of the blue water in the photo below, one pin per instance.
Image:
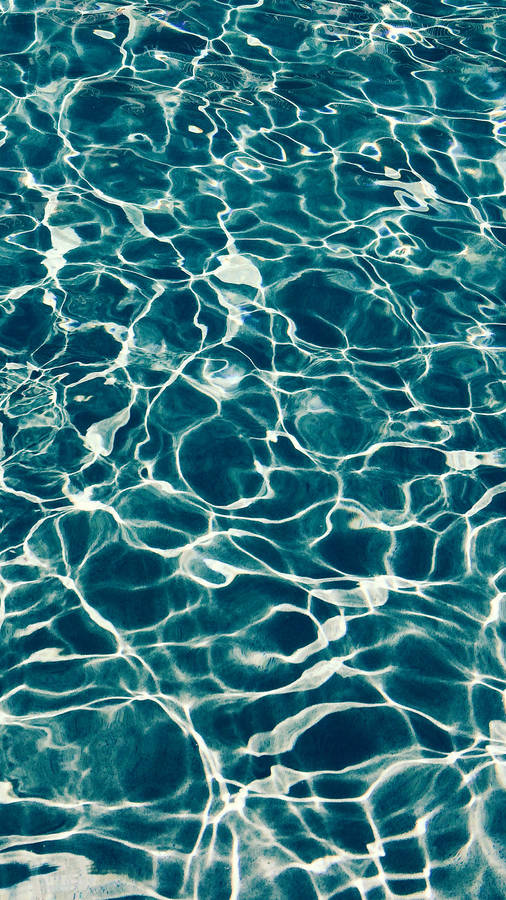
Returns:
(253, 447)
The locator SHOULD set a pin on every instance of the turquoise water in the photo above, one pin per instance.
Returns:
(252, 495)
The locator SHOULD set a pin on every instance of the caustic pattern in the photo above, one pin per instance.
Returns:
(252, 496)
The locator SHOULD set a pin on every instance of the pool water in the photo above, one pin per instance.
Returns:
(253, 448)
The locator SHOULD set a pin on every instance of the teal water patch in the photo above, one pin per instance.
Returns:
(253, 441)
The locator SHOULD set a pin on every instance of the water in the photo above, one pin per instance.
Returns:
(252, 541)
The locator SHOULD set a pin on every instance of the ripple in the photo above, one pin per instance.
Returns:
(252, 450)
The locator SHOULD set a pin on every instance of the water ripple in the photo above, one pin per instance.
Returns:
(252, 431)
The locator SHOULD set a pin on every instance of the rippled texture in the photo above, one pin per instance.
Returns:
(252, 541)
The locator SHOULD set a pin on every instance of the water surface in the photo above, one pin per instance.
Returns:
(252, 497)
